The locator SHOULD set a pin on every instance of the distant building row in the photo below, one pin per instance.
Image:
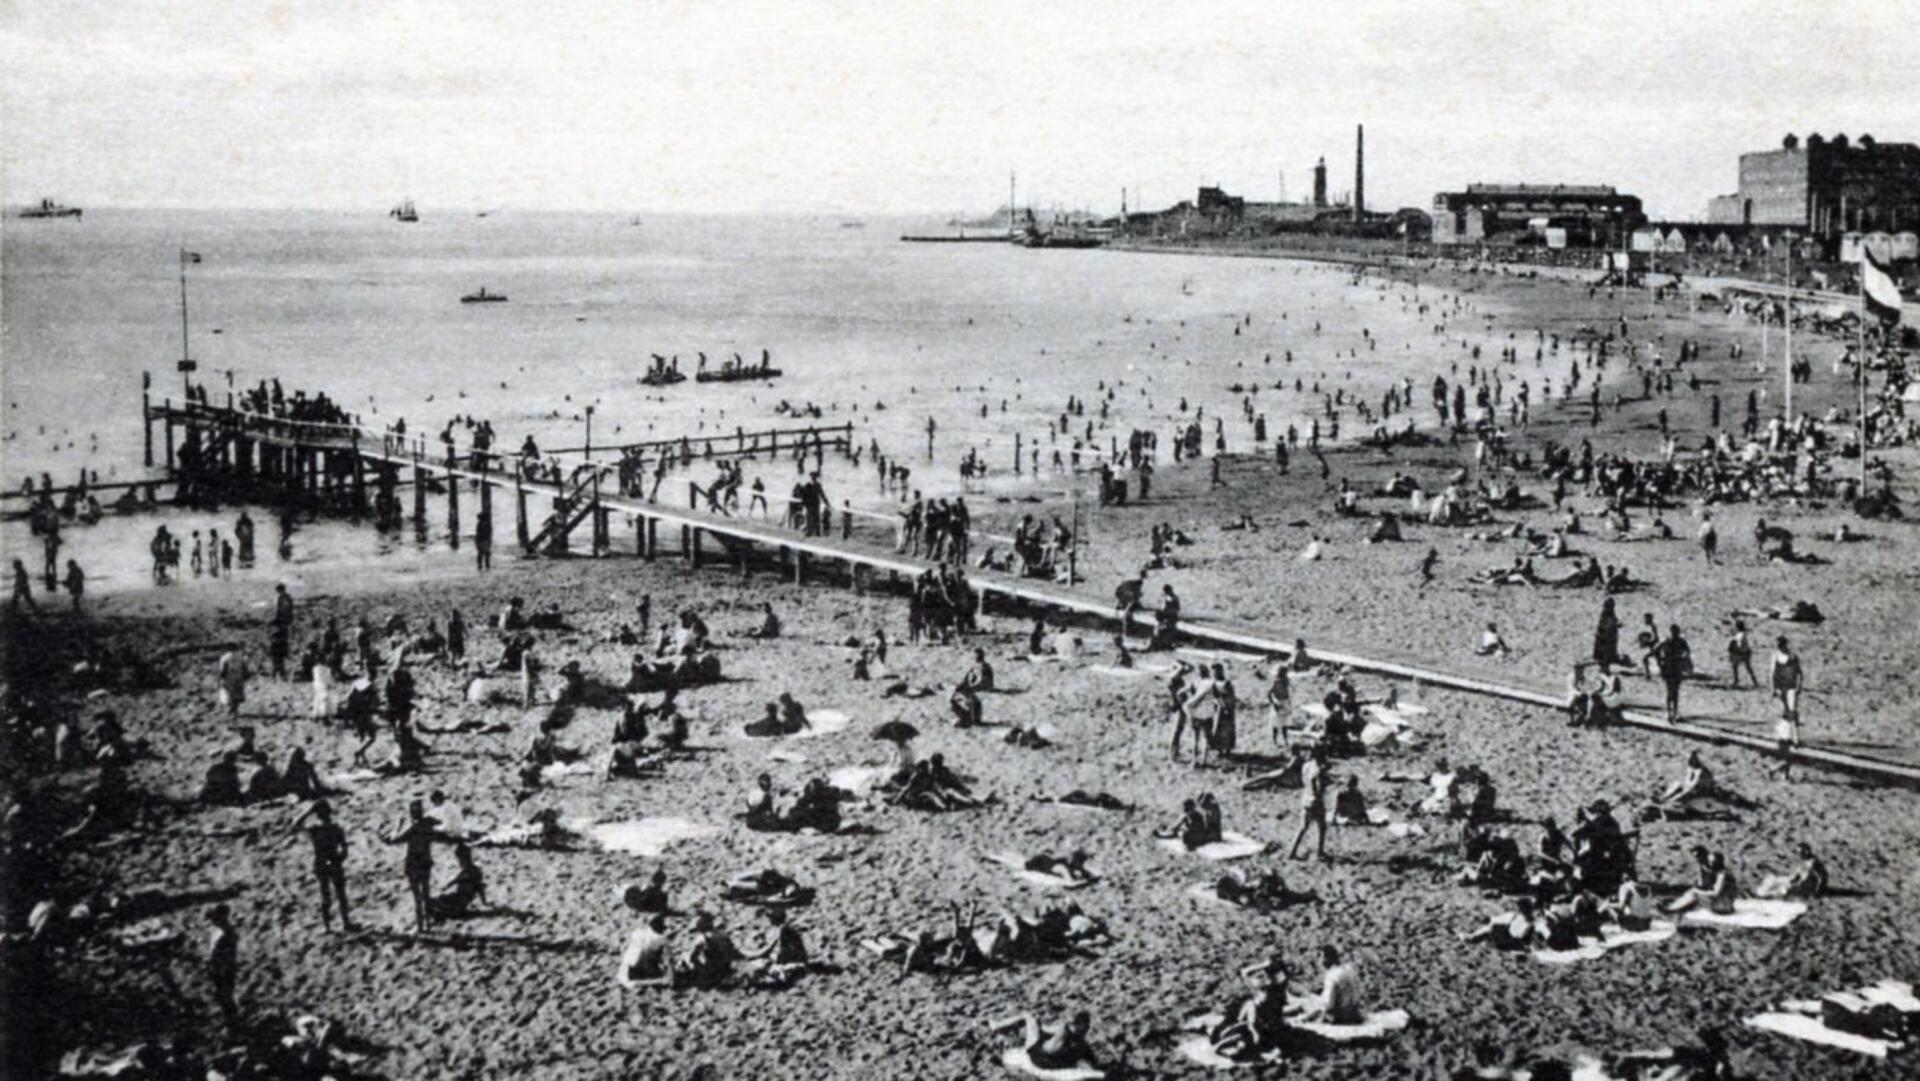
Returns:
(1827, 187)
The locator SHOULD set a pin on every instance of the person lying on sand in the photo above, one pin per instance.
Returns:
(766, 886)
(761, 812)
(1708, 1061)
(1564, 924)
(1263, 891)
(1807, 880)
(928, 952)
(1073, 868)
(930, 786)
(1509, 930)
(1053, 1047)
(1080, 797)
(1029, 738)
(1716, 887)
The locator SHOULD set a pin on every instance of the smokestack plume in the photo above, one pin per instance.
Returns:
(1359, 171)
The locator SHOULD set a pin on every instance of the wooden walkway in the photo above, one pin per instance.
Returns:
(294, 444)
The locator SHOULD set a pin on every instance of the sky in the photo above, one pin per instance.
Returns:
(911, 106)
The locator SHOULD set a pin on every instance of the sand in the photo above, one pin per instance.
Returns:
(529, 990)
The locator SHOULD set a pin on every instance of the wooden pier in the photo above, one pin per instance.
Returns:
(340, 464)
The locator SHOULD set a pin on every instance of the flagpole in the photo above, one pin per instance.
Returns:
(1860, 369)
(185, 355)
(1787, 354)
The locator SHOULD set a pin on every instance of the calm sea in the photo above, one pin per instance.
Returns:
(885, 334)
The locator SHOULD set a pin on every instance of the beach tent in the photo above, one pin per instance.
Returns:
(1723, 243)
(1905, 246)
(1646, 240)
(1674, 242)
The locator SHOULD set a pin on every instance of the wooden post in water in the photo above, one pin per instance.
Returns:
(419, 493)
(453, 506)
(799, 566)
(168, 407)
(146, 414)
(653, 538)
(693, 550)
(359, 477)
(520, 514)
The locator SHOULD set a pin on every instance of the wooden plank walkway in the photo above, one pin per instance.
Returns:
(861, 559)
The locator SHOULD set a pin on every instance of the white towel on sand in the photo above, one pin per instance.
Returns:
(1016, 1060)
(1749, 912)
(645, 836)
(1376, 1025)
(1801, 1027)
(1230, 846)
(1612, 937)
(856, 779)
(1199, 1049)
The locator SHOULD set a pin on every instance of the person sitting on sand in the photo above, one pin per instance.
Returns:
(769, 623)
(761, 812)
(651, 897)
(1255, 1025)
(1708, 1061)
(1631, 907)
(1340, 1000)
(1350, 804)
(1073, 868)
(1493, 859)
(1806, 881)
(468, 886)
(644, 964)
(965, 703)
(782, 955)
(1191, 830)
(709, 959)
(1054, 1047)
(300, 779)
(1508, 930)
(221, 785)
(1716, 886)
(817, 808)
(1491, 644)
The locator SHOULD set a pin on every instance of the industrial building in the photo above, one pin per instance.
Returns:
(1553, 215)
(1827, 187)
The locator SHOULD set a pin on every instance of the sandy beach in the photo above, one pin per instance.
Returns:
(526, 986)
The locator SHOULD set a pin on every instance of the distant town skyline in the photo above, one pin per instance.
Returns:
(915, 107)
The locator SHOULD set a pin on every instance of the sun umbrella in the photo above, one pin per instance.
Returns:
(896, 732)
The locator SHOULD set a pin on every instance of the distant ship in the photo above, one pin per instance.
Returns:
(50, 209)
(484, 297)
(404, 212)
(853, 225)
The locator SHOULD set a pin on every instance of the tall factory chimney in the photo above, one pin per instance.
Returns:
(1320, 183)
(1359, 172)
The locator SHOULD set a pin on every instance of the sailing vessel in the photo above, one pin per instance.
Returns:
(404, 212)
(50, 209)
(484, 297)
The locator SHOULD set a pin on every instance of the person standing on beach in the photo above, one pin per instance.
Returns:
(1740, 655)
(457, 637)
(417, 837)
(1313, 803)
(22, 588)
(1673, 658)
(1280, 704)
(483, 540)
(282, 607)
(329, 843)
(279, 645)
(234, 674)
(76, 582)
(1709, 537)
(51, 547)
(1786, 677)
(223, 963)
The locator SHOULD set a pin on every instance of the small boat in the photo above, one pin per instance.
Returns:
(853, 225)
(50, 209)
(664, 373)
(404, 212)
(738, 371)
(484, 297)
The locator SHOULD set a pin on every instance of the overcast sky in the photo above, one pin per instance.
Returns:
(919, 105)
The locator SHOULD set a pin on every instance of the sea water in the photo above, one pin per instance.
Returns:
(987, 341)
